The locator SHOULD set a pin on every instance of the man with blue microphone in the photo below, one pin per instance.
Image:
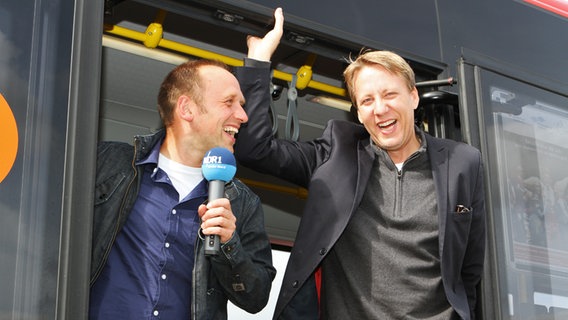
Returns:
(218, 168)
(175, 236)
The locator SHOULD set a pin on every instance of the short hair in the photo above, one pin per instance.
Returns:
(183, 80)
(388, 60)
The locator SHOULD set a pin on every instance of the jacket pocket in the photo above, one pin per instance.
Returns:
(462, 220)
(105, 189)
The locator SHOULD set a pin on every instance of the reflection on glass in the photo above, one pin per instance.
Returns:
(535, 153)
(530, 163)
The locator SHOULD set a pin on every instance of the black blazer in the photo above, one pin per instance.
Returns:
(336, 168)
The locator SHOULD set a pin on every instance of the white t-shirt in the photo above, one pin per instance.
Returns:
(183, 178)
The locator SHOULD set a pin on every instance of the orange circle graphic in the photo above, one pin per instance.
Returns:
(8, 138)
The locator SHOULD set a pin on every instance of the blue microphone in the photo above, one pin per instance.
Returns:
(218, 167)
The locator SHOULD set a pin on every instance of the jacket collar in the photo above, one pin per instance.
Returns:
(143, 144)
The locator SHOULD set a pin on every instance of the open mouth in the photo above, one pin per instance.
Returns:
(231, 131)
(387, 124)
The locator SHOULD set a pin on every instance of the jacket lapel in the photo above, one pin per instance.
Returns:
(365, 159)
(438, 154)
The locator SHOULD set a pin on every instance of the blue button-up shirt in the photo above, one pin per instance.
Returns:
(149, 271)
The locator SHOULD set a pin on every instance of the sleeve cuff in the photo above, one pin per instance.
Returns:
(256, 63)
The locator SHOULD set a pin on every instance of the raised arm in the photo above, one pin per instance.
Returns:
(261, 49)
(256, 147)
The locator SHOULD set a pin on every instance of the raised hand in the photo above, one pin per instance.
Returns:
(262, 48)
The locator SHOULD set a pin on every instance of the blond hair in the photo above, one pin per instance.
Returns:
(388, 60)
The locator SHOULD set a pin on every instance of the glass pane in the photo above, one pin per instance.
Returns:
(527, 130)
(34, 80)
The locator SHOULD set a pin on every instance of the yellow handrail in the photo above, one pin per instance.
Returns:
(299, 192)
(152, 38)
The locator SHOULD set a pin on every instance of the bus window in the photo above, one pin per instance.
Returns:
(527, 153)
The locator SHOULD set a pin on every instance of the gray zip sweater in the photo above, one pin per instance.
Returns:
(390, 265)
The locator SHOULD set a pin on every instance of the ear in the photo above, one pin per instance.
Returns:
(415, 97)
(185, 108)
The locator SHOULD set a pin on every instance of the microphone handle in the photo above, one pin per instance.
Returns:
(212, 242)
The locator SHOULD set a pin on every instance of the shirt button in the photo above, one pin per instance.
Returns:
(155, 313)
(167, 245)
(295, 284)
(174, 211)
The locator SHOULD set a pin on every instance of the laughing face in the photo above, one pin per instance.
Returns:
(221, 107)
(385, 106)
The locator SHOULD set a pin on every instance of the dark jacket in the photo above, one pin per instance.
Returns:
(336, 169)
(243, 272)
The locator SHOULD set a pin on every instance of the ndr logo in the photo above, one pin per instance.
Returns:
(212, 160)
